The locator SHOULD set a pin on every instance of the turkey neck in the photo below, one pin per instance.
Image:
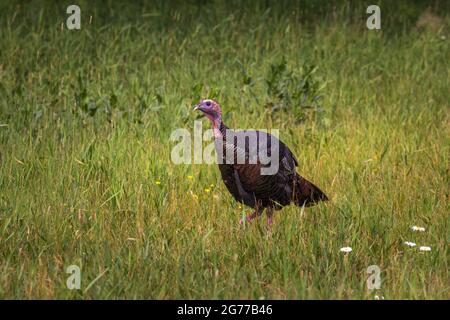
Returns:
(220, 134)
(219, 129)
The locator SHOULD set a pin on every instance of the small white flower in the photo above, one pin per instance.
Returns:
(346, 249)
(424, 248)
(410, 244)
(416, 228)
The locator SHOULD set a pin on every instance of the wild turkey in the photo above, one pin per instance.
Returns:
(244, 179)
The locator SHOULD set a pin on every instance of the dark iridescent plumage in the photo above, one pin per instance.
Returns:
(245, 181)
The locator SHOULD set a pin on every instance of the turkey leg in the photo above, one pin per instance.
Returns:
(250, 217)
(269, 213)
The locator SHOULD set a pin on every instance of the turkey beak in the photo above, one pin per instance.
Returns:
(198, 107)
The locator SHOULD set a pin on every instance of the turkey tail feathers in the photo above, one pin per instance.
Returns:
(306, 193)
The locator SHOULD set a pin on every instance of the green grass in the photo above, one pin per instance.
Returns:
(85, 124)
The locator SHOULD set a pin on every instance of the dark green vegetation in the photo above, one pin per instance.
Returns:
(86, 176)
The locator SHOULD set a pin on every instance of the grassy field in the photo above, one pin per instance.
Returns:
(86, 176)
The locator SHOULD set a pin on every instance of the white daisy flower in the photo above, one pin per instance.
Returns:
(346, 249)
(424, 248)
(410, 244)
(416, 228)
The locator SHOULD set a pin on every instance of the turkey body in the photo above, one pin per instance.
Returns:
(244, 179)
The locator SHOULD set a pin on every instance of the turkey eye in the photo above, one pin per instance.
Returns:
(208, 103)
